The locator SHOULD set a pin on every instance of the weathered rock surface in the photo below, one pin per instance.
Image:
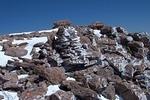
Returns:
(16, 52)
(61, 95)
(79, 63)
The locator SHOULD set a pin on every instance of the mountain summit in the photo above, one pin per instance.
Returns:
(73, 62)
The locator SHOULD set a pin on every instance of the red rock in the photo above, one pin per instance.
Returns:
(16, 52)
(61, 23)
(97, 25)
(81, 93)
(33, 93)
(54, 75)
(61, 95)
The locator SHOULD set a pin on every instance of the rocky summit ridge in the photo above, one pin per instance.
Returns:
(72, 62)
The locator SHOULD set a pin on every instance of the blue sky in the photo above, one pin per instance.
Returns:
(32, 15)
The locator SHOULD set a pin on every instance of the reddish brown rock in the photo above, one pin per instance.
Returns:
(61, 23)
(61, 95)
(16, 52)
(97, 25)
(5, 75)
(127, 90)
(81, 93)
(54, 75)
(33, 93)
(6, 45)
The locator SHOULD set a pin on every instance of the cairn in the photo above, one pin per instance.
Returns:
(67, 44)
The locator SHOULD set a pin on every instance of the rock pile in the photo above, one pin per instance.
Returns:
(68, 45)
(95, 62)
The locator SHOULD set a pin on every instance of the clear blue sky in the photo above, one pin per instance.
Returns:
(30, 15)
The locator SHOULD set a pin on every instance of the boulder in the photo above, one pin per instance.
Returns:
(61, 23)
(107, 30)
(55, 75)
(97, 25)
(136, 49)
(127, 90)
(109, 92)
(128, 71)
(61, 95)
(33, 93)
(16, 52)
(80, 93)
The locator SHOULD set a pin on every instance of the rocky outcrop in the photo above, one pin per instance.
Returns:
(79, 62)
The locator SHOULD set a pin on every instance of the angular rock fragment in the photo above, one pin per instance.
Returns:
(61, 95)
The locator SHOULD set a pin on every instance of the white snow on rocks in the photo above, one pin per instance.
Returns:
(4, 40)
(37, 49)
(97, 33)
(9, 95)
(31, 42)
(52, 89)
(22, 76)
(118, 97)
(1, 47)
(21, 33)
(3, 58)
(56, 29)
(101, 97)
(70, 78)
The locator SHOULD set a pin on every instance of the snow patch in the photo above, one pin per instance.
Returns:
(70, 78)
(31, 42)
(4, 58)
(9, 95)
(52, 89)
(101, 97)
(118, 97)
(37, 49)
(4, 40)
(20, 33)
(55, 30)
(97, 33)
(1, 48)
(22, 76)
